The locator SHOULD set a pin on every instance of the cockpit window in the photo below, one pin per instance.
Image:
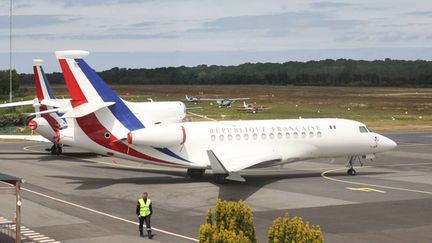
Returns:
(370, 130)
(363, 129)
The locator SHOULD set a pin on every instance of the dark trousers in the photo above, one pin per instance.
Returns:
(147, 222)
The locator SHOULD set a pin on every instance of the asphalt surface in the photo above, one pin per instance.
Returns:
(80, 197)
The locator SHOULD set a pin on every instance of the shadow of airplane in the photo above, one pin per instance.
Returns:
(231, 191)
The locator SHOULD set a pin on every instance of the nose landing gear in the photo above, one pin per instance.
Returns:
(350, 164)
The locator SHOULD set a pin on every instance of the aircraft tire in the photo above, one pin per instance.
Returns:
(351, 172)
(195, 173)
(220, 178)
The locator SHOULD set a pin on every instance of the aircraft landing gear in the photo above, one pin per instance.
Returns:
(56, 149)
(220, 178)
(195, 173)
(351, 171)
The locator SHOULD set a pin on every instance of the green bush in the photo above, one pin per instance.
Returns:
(231, 222)
(288, 230)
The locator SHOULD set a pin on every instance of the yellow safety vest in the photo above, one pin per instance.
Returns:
(144, 207)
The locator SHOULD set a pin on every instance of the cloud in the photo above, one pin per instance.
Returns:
(278, 22)
(420, 13)
(331, 5)
(29, 21)
(96, 2)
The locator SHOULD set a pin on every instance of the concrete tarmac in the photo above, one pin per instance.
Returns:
(82, 197)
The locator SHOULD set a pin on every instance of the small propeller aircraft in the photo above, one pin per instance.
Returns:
(227, 102)
(249, 107)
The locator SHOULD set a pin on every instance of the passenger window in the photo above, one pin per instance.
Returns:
(311, 134)
(363, 129)
(303, 134)
(230, 137)
(319, 134)
(238, 137)
(280, 135)
(271, 136)
(213, 137)
(295, 135)
(221, 137)
(263, 136)
(287, 135)
(246, 136)
(255, 136)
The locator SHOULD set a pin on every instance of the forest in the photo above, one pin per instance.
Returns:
(340, 72)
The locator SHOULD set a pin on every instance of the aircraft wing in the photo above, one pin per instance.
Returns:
(241, 158)
(36, 138)
(238, 99)
(19, 103)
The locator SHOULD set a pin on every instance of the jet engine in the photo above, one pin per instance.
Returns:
(41, 126)
(159, 136)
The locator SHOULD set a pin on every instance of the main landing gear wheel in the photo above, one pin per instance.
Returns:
(220, 178)
(56, 149)
(195, 173)
(351, 172)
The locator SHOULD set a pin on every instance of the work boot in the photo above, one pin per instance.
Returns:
(150, 236)
(141, 233)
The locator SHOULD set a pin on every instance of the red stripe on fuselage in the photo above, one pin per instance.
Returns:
(96, 132)
(77, 96)
(39, 92)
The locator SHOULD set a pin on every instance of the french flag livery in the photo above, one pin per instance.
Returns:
(46, 124)
(102, 122)
(102, 116)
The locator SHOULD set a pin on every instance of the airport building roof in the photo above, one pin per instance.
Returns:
(9, 179)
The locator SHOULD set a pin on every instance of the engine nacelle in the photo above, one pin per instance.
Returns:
(159, 136)
(41, 126)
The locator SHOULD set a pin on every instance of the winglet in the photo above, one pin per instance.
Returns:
(38, 62)
(72, 54)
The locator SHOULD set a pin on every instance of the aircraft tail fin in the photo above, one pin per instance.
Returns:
(86, 86)
(43, 89)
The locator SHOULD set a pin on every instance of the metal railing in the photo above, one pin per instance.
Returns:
(7, 231)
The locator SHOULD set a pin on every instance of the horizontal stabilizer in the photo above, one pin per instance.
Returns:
(86, 108)
(51, 102)
(36, 138)
(47, 111)
(19, 103)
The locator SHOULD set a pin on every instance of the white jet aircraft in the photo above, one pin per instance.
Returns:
(49, 112)
(227, 147)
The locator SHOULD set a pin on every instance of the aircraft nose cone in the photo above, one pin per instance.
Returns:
(387, 144)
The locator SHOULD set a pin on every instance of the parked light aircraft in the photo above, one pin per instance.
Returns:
(194, 100)
(249, 107)
(227, 147)
(49, 112)
(226, 102)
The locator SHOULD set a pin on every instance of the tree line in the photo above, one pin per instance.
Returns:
(340, 72)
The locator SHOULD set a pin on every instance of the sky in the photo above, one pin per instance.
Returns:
(153, 33)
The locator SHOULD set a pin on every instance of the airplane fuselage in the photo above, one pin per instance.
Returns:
(293, 140)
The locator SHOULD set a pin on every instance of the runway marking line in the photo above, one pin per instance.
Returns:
(96, 211)
(105, 214)
(324, 175)
(364, 189)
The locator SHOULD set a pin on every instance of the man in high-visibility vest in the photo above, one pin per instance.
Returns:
(144, 211)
